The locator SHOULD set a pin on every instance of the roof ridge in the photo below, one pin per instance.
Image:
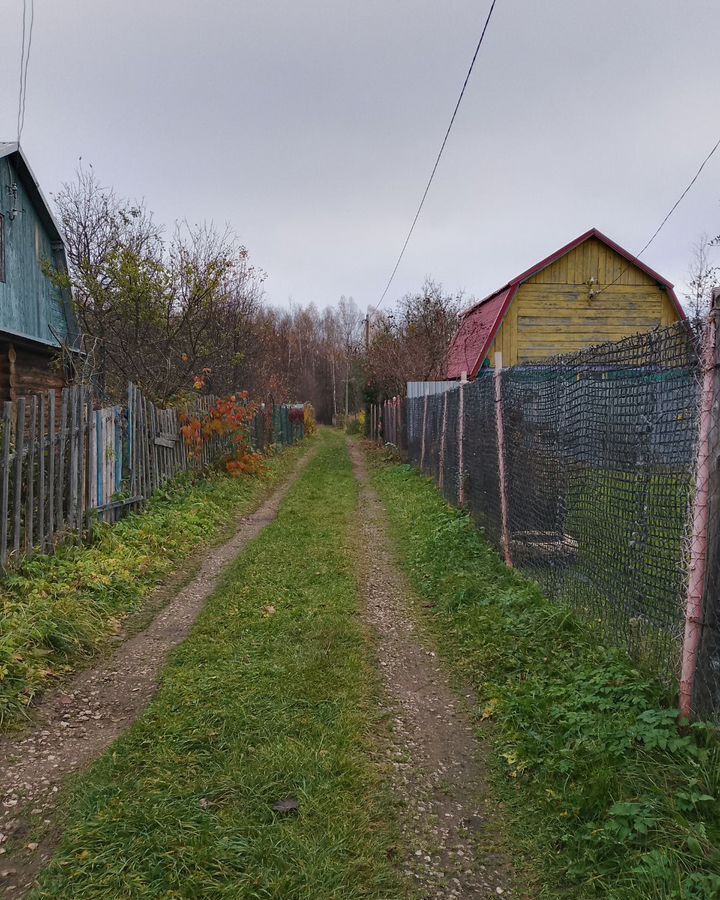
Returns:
(505, 295)
(566, 248)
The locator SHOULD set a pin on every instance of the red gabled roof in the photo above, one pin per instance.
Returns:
(476, 332)
(481, 322)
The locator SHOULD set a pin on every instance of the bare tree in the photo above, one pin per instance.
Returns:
(702, 278)
(411, 342)
(349, 323)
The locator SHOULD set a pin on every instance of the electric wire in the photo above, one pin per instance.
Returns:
(664, 221)
(27, 63)
(437, 160)
(22, 69)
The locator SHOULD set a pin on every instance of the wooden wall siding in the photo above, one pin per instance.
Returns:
(65, 464)
(28, 299)
(553, 311)
(593, 259)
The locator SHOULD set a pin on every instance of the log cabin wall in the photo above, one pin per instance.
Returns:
(26, 370)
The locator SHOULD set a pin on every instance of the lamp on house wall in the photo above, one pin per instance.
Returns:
(12, 189)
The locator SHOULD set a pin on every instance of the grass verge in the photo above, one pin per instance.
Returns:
(56, 611)
(271, 698)
(603, 791)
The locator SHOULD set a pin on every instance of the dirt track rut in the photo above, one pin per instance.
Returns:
(78, 722)
(447, 816)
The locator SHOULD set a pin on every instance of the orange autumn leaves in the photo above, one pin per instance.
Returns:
(230, 419)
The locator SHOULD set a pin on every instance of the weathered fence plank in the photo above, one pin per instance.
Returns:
(19, 453)
(51, 467)
(5, 482)
(41, 475)
(93, 497)
(30, 494)
(60, 492)
(74, 431)
(82, 457)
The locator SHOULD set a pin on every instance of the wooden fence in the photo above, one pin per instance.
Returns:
(65, 462)
(386, 422)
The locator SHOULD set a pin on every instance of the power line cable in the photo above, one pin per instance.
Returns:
(437, 161)
(27, 63)
(662, 224)
(22, 69)
(681, 197)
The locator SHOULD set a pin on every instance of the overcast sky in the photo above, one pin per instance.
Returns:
(311, 126)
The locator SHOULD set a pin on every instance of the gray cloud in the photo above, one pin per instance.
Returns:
(311, 127)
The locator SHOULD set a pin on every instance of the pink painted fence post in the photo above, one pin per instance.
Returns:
(500, 428)
(700, 518)
(461, 440)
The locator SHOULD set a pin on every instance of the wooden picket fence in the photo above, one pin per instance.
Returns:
(65, 463)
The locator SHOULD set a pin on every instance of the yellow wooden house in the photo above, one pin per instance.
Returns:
(588, 292)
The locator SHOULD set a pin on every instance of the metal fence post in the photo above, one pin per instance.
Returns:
(700, 518)
(500, 429)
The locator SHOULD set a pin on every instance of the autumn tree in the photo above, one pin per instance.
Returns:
(349, 325)
(171, 310)
(410, 343)
(155, 310)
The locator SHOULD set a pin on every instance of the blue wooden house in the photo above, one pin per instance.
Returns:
(36, 317)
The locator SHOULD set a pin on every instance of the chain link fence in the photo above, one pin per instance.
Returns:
(583, 470)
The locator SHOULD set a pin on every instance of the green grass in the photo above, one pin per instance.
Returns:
(271, 697)
(607, 798)
(630, 532)
(58, 610)
(624, 524)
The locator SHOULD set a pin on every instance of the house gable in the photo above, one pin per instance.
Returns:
(588, 292)
(32, 308)
(589, 296)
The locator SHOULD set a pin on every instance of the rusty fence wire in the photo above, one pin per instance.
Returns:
(583, 471)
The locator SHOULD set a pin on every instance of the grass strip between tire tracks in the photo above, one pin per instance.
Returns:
(271, 698)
